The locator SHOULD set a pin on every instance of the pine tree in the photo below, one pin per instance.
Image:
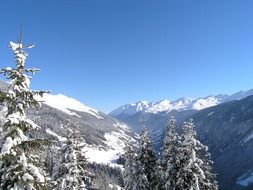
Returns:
(191, 172)
(142, 182)
(19, 160)
(129, 167)
(146, 165)
(171, 157)
(70, 173)
(209, 181)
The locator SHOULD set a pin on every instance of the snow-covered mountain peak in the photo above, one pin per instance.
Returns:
(184, 103)
(131, 109)
(163, 105)
(141, 105)
(68, 105)
(203, 103)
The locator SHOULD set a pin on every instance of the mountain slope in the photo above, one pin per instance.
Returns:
(104, 135)
(66, 104)
(227, 128)
(228, 131)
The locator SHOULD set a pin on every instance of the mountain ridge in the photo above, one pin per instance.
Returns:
(181, 104)
(104, 135)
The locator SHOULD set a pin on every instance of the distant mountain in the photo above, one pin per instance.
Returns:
(224, 123)
(104, 135)
(228, 131)
(154, 115)
(181, 104)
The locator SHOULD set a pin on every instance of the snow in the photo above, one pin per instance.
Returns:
(249, 137)
(115, 142)
(116, 187)
(7, 145)
(181, 104)
(246, 179)
(66, 104)
(121, 126)
(14, 118)
(15, 46)
(184, 103)
(203, 103)
(131, 109)
(8, 68)
(60, 138)
(210, 114)
(32, 124)
(164, 105)
(100, 155)
(9, 142)
(35, 171)
(27, 177)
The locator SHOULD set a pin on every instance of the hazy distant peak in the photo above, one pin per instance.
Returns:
(183, 103)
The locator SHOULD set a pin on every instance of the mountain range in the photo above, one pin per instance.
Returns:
(223, 122)
(181, 104)
(105, 136)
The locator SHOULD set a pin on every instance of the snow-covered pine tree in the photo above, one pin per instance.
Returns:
(70, 173)
(129, 167)
(19, 162)
(209, 182)
(190, 173)
(170, 157)
(142, 182)
(146, 165)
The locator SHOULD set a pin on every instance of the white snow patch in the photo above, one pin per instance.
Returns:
(115, 142)
(101, 155)
(27, 177)
(121, 126)
(183, 103)
(116, 187)
(35, 171)
(66, 104)
(164, 105)
(60, 138)
(245, 180)
(248, 138)
(203, 103)
(131, 109)
(15, 46)
(211, 113)
(8, 144)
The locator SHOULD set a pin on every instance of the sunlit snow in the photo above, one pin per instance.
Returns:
(66, 104)
(60, 138)
(115, 142)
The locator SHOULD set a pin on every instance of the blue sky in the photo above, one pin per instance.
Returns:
(106, 53)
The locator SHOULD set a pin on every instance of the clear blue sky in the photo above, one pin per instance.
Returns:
(106, 53)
